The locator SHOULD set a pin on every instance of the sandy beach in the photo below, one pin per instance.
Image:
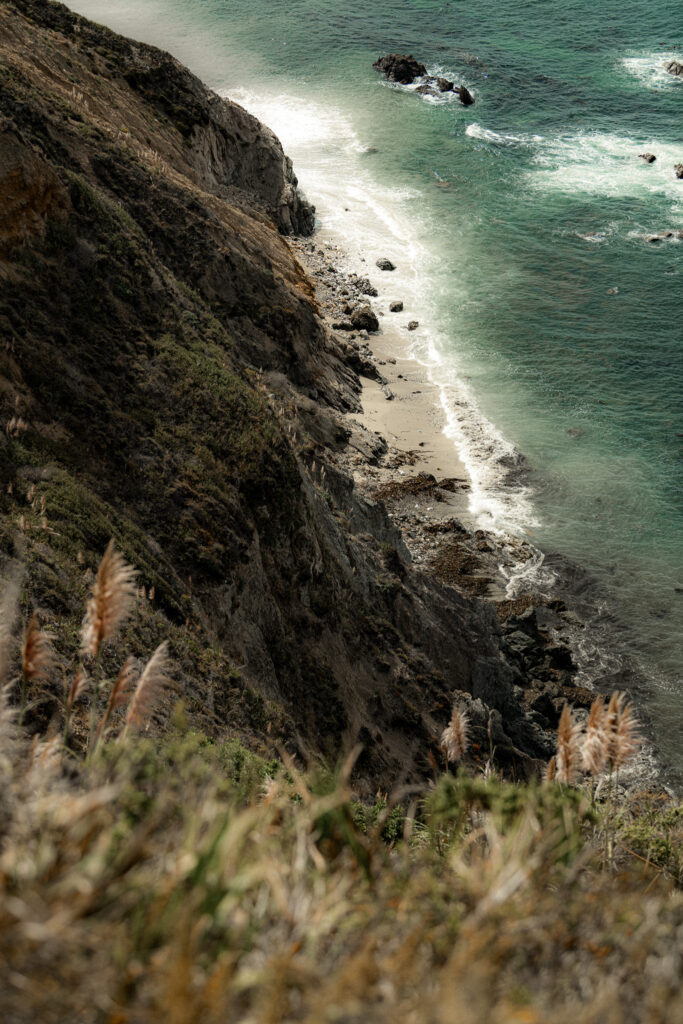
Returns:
(405, 408)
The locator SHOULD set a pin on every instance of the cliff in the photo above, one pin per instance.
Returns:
(166, 379)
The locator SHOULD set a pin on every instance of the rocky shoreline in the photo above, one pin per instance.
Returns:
(430, 508)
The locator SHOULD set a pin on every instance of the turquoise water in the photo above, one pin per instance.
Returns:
(518, 226)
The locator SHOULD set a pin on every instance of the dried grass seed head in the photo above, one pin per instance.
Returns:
(111, 602)
(568, 758)
(152, 682)
(455, 738)
(37, 654)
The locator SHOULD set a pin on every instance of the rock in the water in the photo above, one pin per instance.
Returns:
(363, 319)
(400, 67)
(678, 168)
(649, 158)
(396, 307)
(674, 67)
(444, 85)
(365, 287)
(385, 264)
(426, 90)
(413, 325)
(466, 97)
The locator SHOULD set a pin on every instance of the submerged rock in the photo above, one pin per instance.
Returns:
(413, 325)
(649, 158)
(385, 264)
(396, 307)
(400, 67)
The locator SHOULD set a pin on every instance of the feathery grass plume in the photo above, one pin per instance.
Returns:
(594, 749)
(568, 758)
(119, 696)
(623, 739)
(77, 688)
(37, 657)
(551, 770)
(111, 602)
(153, 680)
(454, 738)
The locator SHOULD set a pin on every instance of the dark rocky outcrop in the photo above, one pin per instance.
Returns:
(674, 67)
(396, 307)
(649, 158)
(405, 70)
(400, 67)
(384, 264)
(678, 170)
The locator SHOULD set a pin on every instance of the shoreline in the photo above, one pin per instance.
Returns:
(398, 453)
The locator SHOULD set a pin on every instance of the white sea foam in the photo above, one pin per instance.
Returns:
(369, 219)
(477, 131)
(650, 69)
(608, 165)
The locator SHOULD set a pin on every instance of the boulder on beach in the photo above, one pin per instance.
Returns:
(678, 169)
(396, 307)
(674, 67)
(649, 158)
(400, 67)
(385, 264)
(365, 287)
(363, 319)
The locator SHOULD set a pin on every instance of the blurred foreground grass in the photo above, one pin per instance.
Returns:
(185, 881)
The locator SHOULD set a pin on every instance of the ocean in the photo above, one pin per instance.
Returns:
(519, 227)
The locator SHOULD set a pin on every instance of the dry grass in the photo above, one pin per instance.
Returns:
(194, 883)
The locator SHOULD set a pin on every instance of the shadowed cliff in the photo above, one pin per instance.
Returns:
(175, 385)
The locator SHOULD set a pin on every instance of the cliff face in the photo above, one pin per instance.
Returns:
(179, 392)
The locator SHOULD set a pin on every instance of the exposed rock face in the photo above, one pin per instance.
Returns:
(674, 67)
(182, 395)
(649, 158)
(400, 67)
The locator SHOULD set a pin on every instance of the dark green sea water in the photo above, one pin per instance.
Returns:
(518, 228)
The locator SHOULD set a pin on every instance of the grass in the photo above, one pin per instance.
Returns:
(190, 880)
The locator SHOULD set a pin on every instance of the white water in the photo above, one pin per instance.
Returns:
(369, 220)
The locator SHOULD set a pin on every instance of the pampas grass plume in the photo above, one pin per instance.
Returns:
(594, 749)
(623, 739)
(454, 738)
(151, 683)
(37, 655)
(111, 601)
(568, 759)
